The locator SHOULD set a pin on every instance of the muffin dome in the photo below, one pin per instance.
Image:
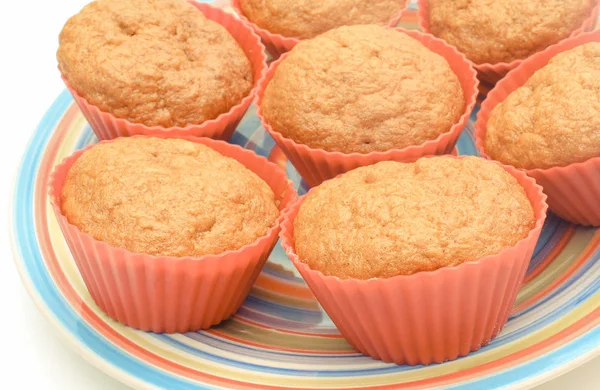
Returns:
(554, 118)
(154, 62)
(307, 18)
(396, 218)
(362, 89)
(166, 197)
(504, 31)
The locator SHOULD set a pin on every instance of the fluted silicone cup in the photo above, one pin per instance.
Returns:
(427, 317)
(172, 294)
(318, 165)
(277, 44)
(573, 190)
(108, 126)
(491, 73)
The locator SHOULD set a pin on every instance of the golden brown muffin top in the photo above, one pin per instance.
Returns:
(492, 31)
(395, 218)
(554, 119)
(156, 62)
(166, 197)
(362, 89)
(309, 18)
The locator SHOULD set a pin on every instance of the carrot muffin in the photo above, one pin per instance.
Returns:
(166, 197)
(396, 218)
(554, 119)
(307, 18)
(155, 62)
(503, 31)
(362, 89)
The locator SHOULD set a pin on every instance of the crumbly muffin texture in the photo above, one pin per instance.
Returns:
(362, 89)
(309, 18)
(155, 62)
(491, 31)
(554, 118)
(166, 197)
(396, 218)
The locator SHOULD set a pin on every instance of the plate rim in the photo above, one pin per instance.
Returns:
(136, 381)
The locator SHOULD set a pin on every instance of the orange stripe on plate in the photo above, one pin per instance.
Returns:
(268, 347)
(275, 286)
(281, 330)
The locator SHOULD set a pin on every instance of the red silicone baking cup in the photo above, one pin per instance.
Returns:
(427, 317)
(172, 294)
(318, 165)
(277, 44)
(491, 73)
(107, 126)
(573, 190)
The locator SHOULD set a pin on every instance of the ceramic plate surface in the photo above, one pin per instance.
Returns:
(280, 337)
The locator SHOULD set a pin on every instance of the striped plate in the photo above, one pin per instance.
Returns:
(281, 337)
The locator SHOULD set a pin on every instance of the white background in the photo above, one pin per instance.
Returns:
(32, 355)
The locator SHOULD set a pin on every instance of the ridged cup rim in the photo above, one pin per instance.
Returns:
(500, 67)
(292, 41)
(288, 197)
(260, 50)
(505, 85)
(538, 203)
(455, 130)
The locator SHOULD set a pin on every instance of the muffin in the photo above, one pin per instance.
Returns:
(552, 120)
(307, 19)
(396, 218)
(156, 63)
(504, 31)
(135, 210)
(362, 89)
(404, 256)
(166, 197)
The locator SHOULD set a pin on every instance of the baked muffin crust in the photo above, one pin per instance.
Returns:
(362, 89)
(490, 31)
(166, 197)
(554, 118)
(309, 18)
(155, 62)
(396, 218)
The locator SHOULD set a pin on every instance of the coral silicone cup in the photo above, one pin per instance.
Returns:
(427, 317)
(277, 44)
(318, 165)
(491, 73)
(573, 190)
(172, 294)
(107, 126)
